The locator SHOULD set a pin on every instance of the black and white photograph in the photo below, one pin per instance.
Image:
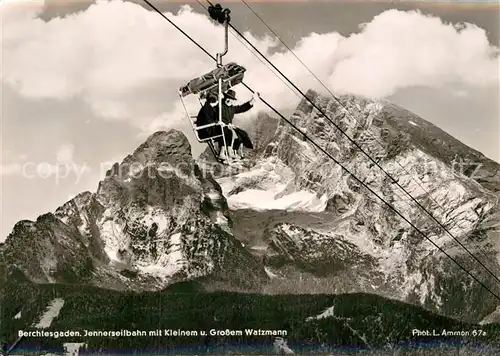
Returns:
(250, 177)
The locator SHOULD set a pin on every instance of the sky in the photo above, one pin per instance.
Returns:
(83, 84)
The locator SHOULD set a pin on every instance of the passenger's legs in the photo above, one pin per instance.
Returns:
(236, 144)
(229, 137)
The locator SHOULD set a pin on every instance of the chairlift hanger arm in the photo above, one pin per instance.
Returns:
(221, 15)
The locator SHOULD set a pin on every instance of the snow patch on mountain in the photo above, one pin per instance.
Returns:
(416, 172)
(394, 260)
(267, 186)
(169, 263)
(270, 273)
(156, 216)
(113, 230)
(329, 312)
(112, 236)
(50, 314)
(361, 239)
(265, 200)
(424, 177)
(222, 221)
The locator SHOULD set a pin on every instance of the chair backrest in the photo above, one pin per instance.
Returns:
(192, 120)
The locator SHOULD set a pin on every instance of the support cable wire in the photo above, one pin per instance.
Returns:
(371, 135)
(233, 33)
(366, 154)
(337, 162)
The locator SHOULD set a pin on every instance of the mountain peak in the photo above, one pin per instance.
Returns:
(164, 146)
(162, 150)
(154, 220)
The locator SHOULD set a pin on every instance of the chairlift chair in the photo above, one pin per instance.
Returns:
(213, 83)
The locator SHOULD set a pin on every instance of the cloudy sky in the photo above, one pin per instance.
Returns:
(84, 83)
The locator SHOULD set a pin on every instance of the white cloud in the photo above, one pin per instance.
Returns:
(14, 166)
(63, 167)
(115, 49)
(21, 7)
(65, 153)
(403, 49)
(10, 169)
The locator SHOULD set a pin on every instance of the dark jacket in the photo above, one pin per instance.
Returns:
(228, 112)
(243, 137)
(207, 115)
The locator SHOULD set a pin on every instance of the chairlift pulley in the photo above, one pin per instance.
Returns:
(219, 14)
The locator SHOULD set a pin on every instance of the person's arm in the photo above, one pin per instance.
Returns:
(238, 109)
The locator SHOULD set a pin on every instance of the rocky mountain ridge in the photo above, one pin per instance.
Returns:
(154, 220)
(288, 221)
(354, 224)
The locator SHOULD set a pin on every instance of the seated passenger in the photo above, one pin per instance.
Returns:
(207, 115)
(238, 136)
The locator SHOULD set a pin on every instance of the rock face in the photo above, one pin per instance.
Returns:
(155, 219)
(289, 220)
(336, 236)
